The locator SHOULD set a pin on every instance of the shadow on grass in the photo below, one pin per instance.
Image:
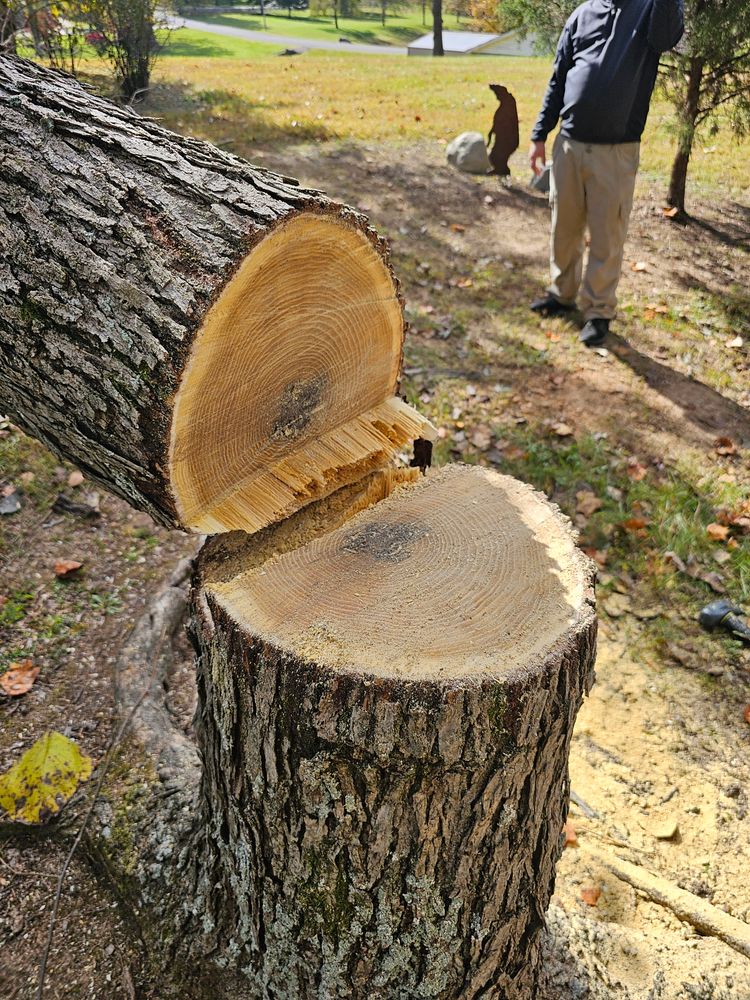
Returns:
(367, 35)
(201, 47)
(701, 405)
(733, 229)
(228, 119)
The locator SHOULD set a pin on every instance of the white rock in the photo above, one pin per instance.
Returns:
(468, 153)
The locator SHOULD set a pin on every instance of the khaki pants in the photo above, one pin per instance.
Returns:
(591, 185)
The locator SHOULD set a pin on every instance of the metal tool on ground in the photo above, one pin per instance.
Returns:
(724, 614)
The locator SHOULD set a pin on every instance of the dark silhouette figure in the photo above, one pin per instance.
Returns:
(505, 130)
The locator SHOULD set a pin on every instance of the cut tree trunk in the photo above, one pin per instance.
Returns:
(389, 665)
(208, 340)
(386, 704)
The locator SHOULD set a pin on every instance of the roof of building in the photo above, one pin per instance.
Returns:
(456, 41)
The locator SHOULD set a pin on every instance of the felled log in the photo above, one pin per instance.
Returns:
(387, 702)
(207, 339)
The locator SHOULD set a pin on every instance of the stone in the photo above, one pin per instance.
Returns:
(468, 153)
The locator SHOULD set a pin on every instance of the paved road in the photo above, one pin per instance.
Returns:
(285, 41)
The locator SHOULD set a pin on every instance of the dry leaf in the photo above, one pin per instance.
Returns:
(19, 678)
(725, 446)
(590, 895)
(552, 336)
(717, 532)
(75, 478)
(27, 477)
(464, 283)
(571, 840)
(676, 561)
(562, 430)
(635, 470)
(10, 501)
(746, 714)
(481, 438)
(514, 454)
(587, 503)
(639, 265)
(616, 605)
(66, 567)
(715, 582)
(458, 228)
(670, 213)
(599, 556)
(635, 524)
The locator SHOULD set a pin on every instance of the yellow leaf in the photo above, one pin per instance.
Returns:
(42, 781)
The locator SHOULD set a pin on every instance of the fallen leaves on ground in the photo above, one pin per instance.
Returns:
(717, 532)
(66, 567)
(590, 894)
(587, 503)
(725, 446)
(746, 714)
(43, 780)
(19, 678)
(636, 525)
(10, 500)
(561, 429)
(670, 212)
(638, 266)
(75, 478)
(635, 470)
(481, 438)
(569, 831)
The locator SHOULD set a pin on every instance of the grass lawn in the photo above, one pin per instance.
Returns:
(245, 93)
(366, 27)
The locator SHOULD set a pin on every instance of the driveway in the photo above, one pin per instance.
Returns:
(286, 41)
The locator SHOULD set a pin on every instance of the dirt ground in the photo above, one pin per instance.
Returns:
(661, 746)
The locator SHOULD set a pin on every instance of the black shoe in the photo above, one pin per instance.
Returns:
(594, 332)
(550, 306)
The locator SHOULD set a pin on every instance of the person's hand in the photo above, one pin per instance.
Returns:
(537, 157)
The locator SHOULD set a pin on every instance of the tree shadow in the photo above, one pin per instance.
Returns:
(732, 230)
(701, 405)
(228, 119)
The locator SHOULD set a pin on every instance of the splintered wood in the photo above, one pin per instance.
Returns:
(289, 391)
(461, 574)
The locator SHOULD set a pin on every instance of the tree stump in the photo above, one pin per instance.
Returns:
(386, 710)
(389, 665)
(205, 338)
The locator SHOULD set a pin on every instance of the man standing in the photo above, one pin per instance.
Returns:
(601, 85)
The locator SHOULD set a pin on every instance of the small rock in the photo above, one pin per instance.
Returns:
(666, 829)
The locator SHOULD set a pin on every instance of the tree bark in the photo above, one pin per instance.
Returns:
(372, 826)
(145, 274)
(687, 118)
(437, 28)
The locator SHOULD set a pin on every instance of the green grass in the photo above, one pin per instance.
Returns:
(250, 98)
(366, 28)
(185, 43)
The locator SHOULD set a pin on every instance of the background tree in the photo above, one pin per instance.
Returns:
(9, 15)
(484, 14)
(127, 30)
(437, 28)
(707, 79)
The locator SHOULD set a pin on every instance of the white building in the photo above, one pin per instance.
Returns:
(474, 43)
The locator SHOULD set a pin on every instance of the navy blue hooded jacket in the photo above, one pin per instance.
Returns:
(605, 69)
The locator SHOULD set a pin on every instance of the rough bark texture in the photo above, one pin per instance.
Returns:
(688, 116)
(368, 838)
(118, 235)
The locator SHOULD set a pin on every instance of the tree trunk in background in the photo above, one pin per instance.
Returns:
(688, 118)
(382, 802)
(7, 29)
(165, 274)
(437, 28)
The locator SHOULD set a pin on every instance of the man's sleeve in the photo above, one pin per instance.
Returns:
(553, 99)
(666, 25)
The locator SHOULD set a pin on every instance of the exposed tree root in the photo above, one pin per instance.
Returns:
(700, 914)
